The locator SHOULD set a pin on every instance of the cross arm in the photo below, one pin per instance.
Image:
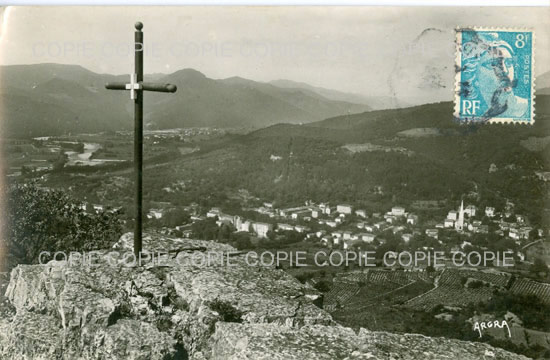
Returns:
(169, 88)
(159, 87)
(115, 86)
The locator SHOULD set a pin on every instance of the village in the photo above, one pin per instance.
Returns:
(345, 227)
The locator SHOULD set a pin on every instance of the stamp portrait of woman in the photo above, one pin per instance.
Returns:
(489, 73)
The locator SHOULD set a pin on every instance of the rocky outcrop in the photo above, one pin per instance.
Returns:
(266, 341)
(184, 306)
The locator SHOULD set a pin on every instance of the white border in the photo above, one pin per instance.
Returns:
(458, 73)
(444, 3)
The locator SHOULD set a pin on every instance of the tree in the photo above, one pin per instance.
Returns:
(271, 235)
(175, 217)
(243, 242)
(48, 220)
(79, 148)
(60, 162)
(539, 266)
(323, 285)
(26, 170)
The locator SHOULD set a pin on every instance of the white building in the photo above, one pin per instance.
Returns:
(390, 219)
(369, 228)
(452, 215)
(434, 233)
(380, 225)
(521, 233)
(261, 229)
(366, 237)
(237, 222)
(470, 210)
(397, 229)
(361, 213)
(412, 219)
(285, 227)
(228, 219)
(244, 226)
(213, 212)
(398, 211)
(406, 237)
(344, 209)
(153, 213)
(331, 223)
(490, 211)
(326, 240)
(520, 219)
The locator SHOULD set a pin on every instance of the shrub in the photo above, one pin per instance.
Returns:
(305, 276)
(227, 312)
(323, 285)
(475, 284)
(49, 220)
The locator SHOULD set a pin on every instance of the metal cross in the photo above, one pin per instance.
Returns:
(137, 88)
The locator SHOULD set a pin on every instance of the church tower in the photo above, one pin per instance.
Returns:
(459, 224)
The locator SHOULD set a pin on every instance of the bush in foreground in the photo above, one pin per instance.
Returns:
(40, 219)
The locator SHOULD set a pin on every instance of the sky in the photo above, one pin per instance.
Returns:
(370, 51)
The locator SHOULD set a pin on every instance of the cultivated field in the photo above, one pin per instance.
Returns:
(452, 289)
(531, 287)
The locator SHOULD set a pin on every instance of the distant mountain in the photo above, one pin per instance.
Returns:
(543, 81)
(237, 102)
(51, 99)
(375, 102)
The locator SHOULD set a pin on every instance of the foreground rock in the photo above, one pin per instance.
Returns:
(184, 307)
(266, 341)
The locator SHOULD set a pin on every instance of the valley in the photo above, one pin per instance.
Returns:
(283, 183)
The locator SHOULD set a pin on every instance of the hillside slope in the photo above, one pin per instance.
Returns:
(374, 160)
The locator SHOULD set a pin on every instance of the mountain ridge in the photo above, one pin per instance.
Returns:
(200, 101)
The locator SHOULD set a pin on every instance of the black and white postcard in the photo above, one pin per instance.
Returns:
(274, 182)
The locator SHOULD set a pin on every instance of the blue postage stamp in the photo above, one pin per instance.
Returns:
(494, 76)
